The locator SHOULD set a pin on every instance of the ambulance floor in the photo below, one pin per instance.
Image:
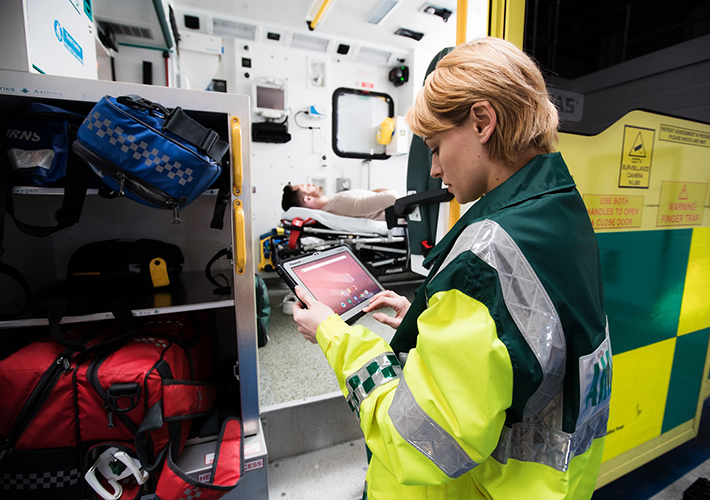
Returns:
(292, 369)
(338, 473)
(333, 473)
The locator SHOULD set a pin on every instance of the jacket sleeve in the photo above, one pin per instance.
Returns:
(443, 413)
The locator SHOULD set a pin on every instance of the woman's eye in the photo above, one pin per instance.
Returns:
(435, 151)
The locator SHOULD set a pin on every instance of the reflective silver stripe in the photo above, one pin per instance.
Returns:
(538, 438)
(595, 371)
(529, 306)
(376, 372)
(422, 432)
(529, 442)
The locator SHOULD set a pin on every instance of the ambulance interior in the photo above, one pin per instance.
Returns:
(328, 83)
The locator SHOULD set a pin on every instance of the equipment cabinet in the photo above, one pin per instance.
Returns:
(43, 261)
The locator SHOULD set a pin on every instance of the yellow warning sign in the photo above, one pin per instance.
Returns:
(681, 135)
(614, 212)
(681, 203)
(636, 155)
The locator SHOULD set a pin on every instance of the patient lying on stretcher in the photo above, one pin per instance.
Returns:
(350, 203)
(314, 222)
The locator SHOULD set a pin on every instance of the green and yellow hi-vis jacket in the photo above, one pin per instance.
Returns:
(505, 392)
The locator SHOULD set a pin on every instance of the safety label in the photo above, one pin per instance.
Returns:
(254, 465)
(671, 133)
(69, 42)
(636, 155)
(681, 203)
(613, 211)
(252, 448)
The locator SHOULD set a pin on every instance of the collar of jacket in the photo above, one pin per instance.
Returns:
(543, 174)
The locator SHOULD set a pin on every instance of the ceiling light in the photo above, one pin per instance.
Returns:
(381, 10)
(308, 42)
(374, 56)
(223, 27)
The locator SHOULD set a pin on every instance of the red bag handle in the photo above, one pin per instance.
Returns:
(224, 475)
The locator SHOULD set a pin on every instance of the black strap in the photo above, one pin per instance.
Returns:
(208, 141)
(179, 123)
(76, 183)
(406, 204)
(144, 443)
(13, 273)
(56, 308)
(220, 204)
(203, 138)
(222, 289)
(6, 269)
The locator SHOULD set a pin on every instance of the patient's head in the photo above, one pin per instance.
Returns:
(303, 195)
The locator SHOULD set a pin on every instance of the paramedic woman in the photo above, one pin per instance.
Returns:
(505, 391)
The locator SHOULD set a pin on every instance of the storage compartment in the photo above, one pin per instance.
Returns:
(231, 316)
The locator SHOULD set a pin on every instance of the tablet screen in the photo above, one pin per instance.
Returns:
(337, 280)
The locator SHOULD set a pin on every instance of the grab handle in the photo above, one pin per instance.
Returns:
(237, 168)
(240, 245)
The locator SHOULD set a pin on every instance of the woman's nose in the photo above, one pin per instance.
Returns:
(435, 171)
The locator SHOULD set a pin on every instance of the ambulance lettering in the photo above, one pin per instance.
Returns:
(600, 389)
(23, 135)
(595, 374)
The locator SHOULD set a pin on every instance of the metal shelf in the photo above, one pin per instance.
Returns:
(192, 292)
(59, 191)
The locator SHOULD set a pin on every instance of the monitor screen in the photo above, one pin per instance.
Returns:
(270, 98)
(337, 281)
(334, 277)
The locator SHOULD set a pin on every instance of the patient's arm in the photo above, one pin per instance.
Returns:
(361, 203)
(388, 299)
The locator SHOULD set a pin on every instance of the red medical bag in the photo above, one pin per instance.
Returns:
(105, 422)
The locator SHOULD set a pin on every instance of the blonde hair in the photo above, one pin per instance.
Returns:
(493, 70)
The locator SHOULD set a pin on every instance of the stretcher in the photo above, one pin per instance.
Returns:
(382, 249)
(382, 246)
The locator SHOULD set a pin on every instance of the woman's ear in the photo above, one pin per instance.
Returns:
(484, 120)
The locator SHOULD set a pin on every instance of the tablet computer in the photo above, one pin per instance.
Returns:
(334, 277)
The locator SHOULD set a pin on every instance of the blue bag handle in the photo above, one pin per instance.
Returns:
(177, 122)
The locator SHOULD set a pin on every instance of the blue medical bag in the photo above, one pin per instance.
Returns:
(38, 144)
(153, 155)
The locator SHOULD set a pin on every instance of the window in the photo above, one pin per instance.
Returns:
(356, 116)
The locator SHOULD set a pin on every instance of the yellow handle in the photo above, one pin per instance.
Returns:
(240, 250)
(461, 30)
(159, 272)
(506, 19)
(321, 12)
(461, 21)
(237, 171)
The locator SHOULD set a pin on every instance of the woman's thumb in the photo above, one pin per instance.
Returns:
(303, 295)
